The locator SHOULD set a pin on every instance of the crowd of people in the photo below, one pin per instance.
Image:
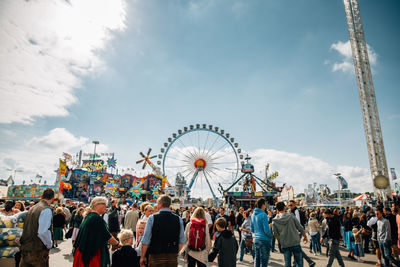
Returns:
(105, 234)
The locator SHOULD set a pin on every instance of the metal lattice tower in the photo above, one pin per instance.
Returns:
(372, 126)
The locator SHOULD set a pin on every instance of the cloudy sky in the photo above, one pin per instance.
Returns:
(277, 75)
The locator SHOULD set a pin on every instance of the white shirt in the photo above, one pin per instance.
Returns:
(208, 218)
(44, 227)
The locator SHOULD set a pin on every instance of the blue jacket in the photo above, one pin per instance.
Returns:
(259, 225)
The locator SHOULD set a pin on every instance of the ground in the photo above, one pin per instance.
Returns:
(61, 256)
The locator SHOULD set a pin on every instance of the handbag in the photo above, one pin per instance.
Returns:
(248, 241)
(68, 234)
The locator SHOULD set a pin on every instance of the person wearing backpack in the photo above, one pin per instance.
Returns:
(198, 242)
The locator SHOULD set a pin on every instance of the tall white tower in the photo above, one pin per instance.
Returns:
(372, 126)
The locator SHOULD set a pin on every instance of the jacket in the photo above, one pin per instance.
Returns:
(286, 229)
(384, 233)
(259, 225)
(226, 247)
(126, 256)
(313, 226)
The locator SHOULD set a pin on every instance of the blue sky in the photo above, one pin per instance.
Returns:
(274, 74)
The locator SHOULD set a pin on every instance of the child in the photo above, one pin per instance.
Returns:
(359, 250)
(141, 225)
(225, 246)
(126, 255)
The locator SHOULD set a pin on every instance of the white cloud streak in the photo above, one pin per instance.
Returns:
(45, 49)
(346, 65)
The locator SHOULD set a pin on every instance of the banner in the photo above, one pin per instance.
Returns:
(393, 172)
(94, 165)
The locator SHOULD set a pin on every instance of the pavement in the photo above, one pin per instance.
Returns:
(61, 256)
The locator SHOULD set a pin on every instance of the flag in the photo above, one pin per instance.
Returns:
(393, 172)
(63, 167)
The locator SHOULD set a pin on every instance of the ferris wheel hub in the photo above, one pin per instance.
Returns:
(200, 164)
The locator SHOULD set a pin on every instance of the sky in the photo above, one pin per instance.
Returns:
(277, 75)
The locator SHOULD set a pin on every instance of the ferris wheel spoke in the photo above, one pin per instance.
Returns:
(205, 144)
(198, 142)
(221, 148)
(190, 171)
(168, 156)
(210, 149)
(188, 150)
(217, 163)
(175, 167)
(226, 180)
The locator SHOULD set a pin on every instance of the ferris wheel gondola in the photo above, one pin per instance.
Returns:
(201, 153)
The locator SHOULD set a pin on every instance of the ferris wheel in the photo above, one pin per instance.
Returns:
(205, 155)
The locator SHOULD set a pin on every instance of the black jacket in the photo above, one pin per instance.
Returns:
(113, 222)
(126, 256)
(334, 226)
(226, 247)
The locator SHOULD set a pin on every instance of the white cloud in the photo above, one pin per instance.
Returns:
(58, 138)
(40, 155)
(346, 65)
(294, 169)
(45, 48)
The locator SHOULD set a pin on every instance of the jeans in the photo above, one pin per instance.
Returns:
(243, 248)
(386, 250)
(297, 255)
(334, 253)
(262, 249)
(316, 243)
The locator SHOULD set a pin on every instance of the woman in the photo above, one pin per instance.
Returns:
(91, 243)
(197, 257)
(76, 222)
(58, 225)
(366, 233)
(9, 209)
(19, 206)
(246, 233)
(186, 220)
(314, 229)
(349, 238)
(232, 219)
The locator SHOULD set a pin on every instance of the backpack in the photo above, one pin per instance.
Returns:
(197, 234)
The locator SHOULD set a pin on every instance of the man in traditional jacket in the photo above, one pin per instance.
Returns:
(36, 238)
(163, 237)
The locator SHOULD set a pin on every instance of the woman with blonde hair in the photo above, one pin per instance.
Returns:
(91, 243)
(199, 257)
(76, 222)
(314, 228)
(58, 225)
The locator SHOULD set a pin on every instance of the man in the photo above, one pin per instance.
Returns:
(333, 235)
(36, 240)
(113, 221)
(221, 214)
(163, 236)
(286, 228)
(393, 229)
(239, 221)
(385, 239)
(295, 211)
(131, 219)
(262, 233)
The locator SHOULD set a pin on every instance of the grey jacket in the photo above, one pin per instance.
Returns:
(384, 232)
(287, 229)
